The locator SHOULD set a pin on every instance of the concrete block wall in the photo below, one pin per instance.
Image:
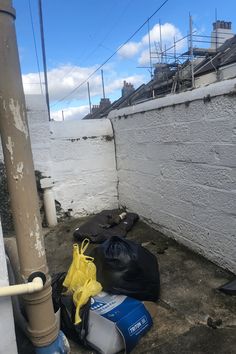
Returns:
(78, 155)
(176, 161)
(39, 132)
(83, 165)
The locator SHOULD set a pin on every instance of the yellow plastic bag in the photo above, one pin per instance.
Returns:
(82, 295)
(81, 278)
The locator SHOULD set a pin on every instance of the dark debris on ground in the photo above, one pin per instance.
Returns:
(192, 315)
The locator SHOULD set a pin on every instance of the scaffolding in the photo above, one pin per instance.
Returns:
(166, 63)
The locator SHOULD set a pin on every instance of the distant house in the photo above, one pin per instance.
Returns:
(217, 67)
(99, 110)
(210, 65)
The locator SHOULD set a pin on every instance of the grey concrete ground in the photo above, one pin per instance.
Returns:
(190, 301)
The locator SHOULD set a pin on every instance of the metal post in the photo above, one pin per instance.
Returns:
(191, 48)
(103, 88)
(42, 325)
(174, 50)
(149, 46)
(90, 108)
(160, 41)
(216, 31)
(44, 57)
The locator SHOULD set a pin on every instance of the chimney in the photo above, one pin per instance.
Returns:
(221, 32)
(127, 89)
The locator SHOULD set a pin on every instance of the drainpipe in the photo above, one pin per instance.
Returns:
(42, 325)
(49, 201)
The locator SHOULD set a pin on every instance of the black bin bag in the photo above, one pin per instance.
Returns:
(125, 267)
(77, 333)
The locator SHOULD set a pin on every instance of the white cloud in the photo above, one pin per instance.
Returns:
(70, 113)
(63, 79)
(169, 32)
(129, 50)
(144, 58)
(79, 112)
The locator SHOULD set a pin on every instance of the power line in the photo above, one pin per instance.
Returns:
(101, 42)
(111, 56)
(35, 46)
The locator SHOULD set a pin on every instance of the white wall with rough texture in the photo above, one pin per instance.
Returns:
(7, 329)
(39, 132)
(83, 165)
(78, 155)
(223, 73)
(176, 160)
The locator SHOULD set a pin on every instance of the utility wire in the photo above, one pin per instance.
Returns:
(111, 56)
(35, 46)
(101, 42)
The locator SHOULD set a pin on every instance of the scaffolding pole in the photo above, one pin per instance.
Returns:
(191, 48)
(89, 98)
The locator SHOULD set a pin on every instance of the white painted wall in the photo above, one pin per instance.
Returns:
(83, 165)
(83, 169)
(39, 132)
(7, 330)
(176, 159)
(224, 73)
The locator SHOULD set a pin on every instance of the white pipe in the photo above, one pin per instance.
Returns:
(28, 288)
(49, 206)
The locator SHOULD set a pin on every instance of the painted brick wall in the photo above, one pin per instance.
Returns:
(39, 132)
(78, 155)
(83, 165)
(176, 159)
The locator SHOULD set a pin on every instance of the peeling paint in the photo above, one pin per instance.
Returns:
(19, 168)
(4, 105)
(108, 137)
(9, 146)
(102, 137)
(19, 118)
(38, 240)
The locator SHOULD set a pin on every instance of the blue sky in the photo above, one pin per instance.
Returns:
(80, 35)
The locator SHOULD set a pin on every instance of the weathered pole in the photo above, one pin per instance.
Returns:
(42, 326)
(191, 49)
(44, 56)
